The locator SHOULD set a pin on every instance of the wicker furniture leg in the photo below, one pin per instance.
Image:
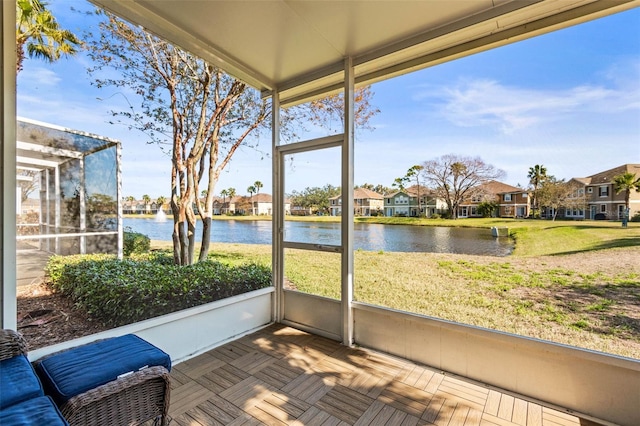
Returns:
(130, 400)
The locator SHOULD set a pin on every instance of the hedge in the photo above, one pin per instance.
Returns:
(118, 292)
(135, 242)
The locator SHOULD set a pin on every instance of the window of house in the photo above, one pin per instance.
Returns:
(590, 190)
(603, 208)
(507, 197)
(604, 191)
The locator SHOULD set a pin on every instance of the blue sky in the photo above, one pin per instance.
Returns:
(569, 100)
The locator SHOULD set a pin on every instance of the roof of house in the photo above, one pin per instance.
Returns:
(262, 198)
(393, 194)
(414, 190)
(362, 193)
(584, 181)
(608, 175)
(411, 191)
(495, 187)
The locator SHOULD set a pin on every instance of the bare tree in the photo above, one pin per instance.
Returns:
(556, 194)
(454, 177)
(28, 182)
(188, 104)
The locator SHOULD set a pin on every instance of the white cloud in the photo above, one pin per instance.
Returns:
(38, 77)
(510, 109)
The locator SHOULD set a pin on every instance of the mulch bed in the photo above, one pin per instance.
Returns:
(46, 318)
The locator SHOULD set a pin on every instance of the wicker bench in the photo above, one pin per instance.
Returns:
(118, 381)
(22, 399)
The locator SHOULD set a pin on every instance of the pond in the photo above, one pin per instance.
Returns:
(370, 237)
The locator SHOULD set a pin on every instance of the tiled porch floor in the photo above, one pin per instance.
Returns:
(283, 376)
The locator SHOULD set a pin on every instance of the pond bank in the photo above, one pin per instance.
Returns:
(532, 237)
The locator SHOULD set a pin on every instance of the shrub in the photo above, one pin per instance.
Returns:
(118, 292)
(135, 242)
(487, 208)
(635, 217)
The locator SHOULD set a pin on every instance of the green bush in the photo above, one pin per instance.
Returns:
(635, 217)
(135, 242)
(118, 292)
(487, 208)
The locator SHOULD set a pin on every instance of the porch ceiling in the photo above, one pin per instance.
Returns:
(298, 47)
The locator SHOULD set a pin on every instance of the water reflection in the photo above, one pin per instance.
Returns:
(370, 237)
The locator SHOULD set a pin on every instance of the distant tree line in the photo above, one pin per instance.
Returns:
(455, 179)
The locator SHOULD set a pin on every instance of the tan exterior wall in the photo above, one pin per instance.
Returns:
(611, 204)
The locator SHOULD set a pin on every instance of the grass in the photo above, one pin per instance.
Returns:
(561, 284)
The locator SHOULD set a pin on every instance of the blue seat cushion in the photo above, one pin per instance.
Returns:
(36, 411)
(18, 381)
(75, 371)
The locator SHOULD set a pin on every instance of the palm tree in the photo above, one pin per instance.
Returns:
(38, 30)
(161, 201)
(224, 194)
(129, 199)
(146, 200)
(251, 190)
(232, 193)
(257, 185)
(537, 176)
(627, 182)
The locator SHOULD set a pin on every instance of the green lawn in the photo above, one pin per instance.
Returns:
(553, 287)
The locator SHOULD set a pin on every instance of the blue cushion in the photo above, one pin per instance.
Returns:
(34, 412)
(18, 381)
(75, 371)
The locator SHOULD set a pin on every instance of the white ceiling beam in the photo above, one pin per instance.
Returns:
(28, 169)
(36, 161)
(58, 152)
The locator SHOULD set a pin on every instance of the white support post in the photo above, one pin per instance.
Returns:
(58, 207)
(8, 303)
(47, 208)
(277, 249)
(347, 204)
(83, 206)
(120, 225)
(42, 214)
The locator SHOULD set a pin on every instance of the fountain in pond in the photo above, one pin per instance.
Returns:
(161, 216)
